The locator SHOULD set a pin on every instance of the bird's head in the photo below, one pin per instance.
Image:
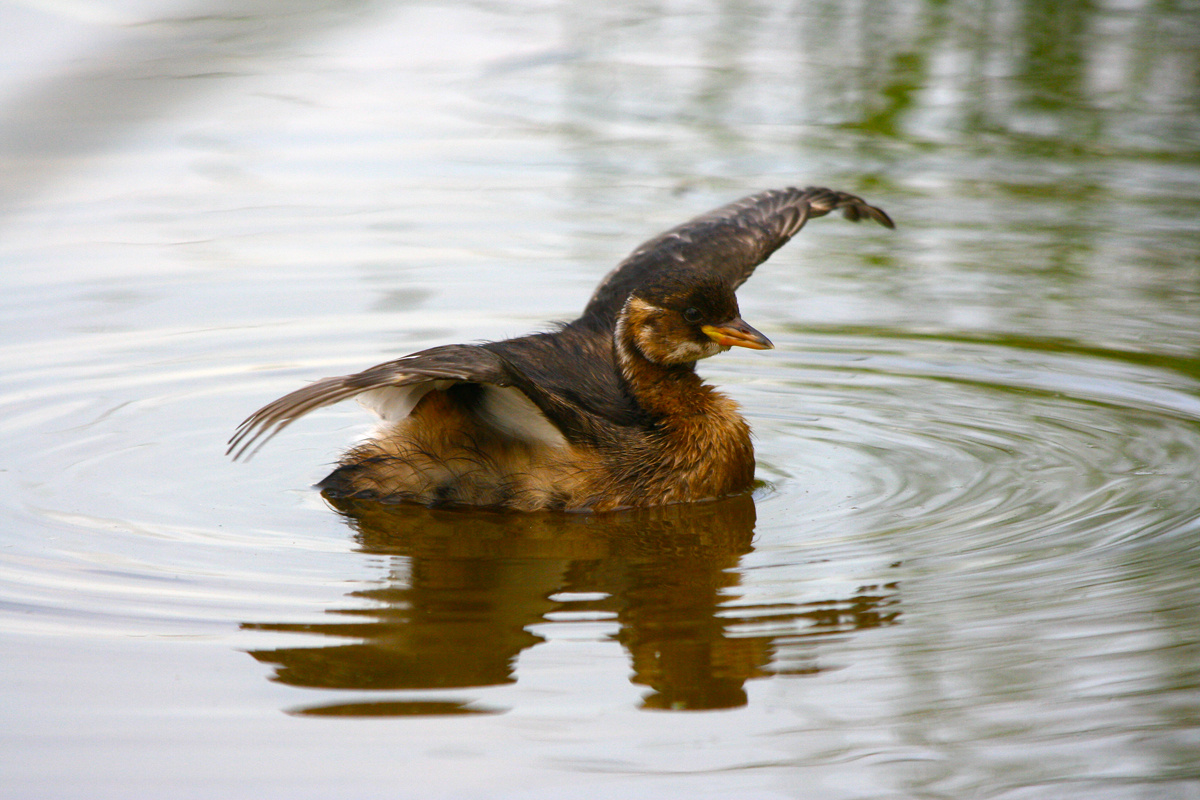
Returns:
(681, 317)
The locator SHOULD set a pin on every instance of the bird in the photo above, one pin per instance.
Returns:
(602, 413)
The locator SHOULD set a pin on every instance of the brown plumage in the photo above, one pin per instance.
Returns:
(606, 412)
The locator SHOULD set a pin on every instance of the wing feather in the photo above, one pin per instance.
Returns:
(731, 241)
(452, 362)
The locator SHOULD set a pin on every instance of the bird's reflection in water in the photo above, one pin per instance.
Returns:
(465, 587)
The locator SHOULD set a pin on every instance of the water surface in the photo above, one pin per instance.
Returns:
(971, 568)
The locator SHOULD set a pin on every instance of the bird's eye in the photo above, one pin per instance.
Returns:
(692, 314)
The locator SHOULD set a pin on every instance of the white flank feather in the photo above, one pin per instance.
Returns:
(394, 403)
(510, 411)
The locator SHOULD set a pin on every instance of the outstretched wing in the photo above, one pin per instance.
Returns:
(420, 371)
(729, 241)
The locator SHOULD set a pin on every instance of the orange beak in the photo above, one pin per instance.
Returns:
(736, 333)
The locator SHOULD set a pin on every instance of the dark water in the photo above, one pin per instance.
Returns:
(972, 568)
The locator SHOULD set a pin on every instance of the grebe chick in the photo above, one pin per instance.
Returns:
(605, 412)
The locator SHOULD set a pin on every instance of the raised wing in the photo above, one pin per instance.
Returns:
(730, 241)
(451, 363)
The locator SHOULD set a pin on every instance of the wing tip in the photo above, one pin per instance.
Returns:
(242, 445)
(853, 207)
(862, 210)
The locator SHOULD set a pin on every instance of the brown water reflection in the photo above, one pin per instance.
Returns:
(466, 586)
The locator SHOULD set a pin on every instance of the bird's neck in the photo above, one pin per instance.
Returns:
(704, 443)
(662, 390)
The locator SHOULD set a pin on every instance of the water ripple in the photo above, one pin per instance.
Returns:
(991, 450)
(1030, 446)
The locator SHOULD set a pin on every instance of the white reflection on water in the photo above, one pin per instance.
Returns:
(972, 571)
